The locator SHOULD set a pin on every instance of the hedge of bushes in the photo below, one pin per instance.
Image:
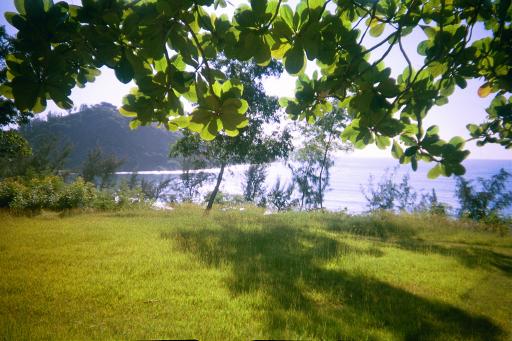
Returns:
(30, 196)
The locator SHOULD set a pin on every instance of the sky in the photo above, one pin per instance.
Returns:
(464, 106)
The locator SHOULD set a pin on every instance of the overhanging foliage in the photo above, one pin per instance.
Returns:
(167, 47)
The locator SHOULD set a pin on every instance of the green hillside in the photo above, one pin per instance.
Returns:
(146, 148)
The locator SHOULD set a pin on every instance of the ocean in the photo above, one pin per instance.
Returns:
(349, 175)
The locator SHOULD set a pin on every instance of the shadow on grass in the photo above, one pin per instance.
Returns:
(405, 237)
(471, 257)
(302, 298)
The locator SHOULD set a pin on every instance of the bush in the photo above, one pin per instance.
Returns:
(125, 196)
(37, 194)
(225, 198)
(105, 201)
(486, 203)
(51, 193)
(280, 198)
(79, 194)
(8, 190)
(401, 197)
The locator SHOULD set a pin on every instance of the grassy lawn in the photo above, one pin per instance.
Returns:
(244, 275)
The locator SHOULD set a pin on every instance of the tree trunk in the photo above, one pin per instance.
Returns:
(322, 166)
(216, 189)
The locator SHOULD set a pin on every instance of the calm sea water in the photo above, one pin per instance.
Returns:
(348, 175)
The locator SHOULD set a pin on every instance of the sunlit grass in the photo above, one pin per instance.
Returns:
(244, 275)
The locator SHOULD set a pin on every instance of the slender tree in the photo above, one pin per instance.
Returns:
(261, 141)
(311, 173)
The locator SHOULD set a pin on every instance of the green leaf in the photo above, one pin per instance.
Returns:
(437, 68)
(259, 6)
(377, 29)
(411, 151)
(458, 169)
(429, 31)
(232, 122)
(388, 88)
(442, 101)
(432, 130)
(34, 8)
(125, 112)
(209, 132)
(286, 14)
(231, 106)
(281, 30)
(382, 141)
(232, 133)
(47, 4)
(124, 70)
(436, 171)
(396, 150)
(414, 163)
(474, 129)
(458, 142)
(181, 121)
(200, 117)
(423, 46)
(295, 60)
(134, 124)
(25, 91)
(283, 102)
(461, 82)
(262, 55)
(20, 6)
(212, 102)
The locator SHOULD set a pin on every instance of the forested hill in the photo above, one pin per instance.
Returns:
(145, 148)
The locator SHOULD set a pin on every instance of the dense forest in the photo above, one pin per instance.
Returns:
(146, 148)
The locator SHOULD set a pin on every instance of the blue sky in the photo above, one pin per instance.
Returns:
(464, 106)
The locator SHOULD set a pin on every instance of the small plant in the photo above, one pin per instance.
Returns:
(79, 194)
(382, 196)
(37, 194)
(429, 203)
(390, 195)
(486, 203)
(280, 198)
(8, 190)
(105, 200)
(32, 196)
(225, 198)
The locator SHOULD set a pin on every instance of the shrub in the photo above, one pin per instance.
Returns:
(79, 194)
(280, 198)
(51, 193)
(36, 194)
(225, 198)
(105, 200)
(486, 203)
(392, 196)
(125, 196)
(8, 190)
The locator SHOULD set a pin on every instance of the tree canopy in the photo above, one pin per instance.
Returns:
(259, 142)
(167, 48)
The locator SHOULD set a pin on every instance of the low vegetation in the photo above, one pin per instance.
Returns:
(143, 274)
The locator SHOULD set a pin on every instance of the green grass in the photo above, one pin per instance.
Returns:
(243, 275)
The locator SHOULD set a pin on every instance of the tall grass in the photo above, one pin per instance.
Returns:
(244, 275)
